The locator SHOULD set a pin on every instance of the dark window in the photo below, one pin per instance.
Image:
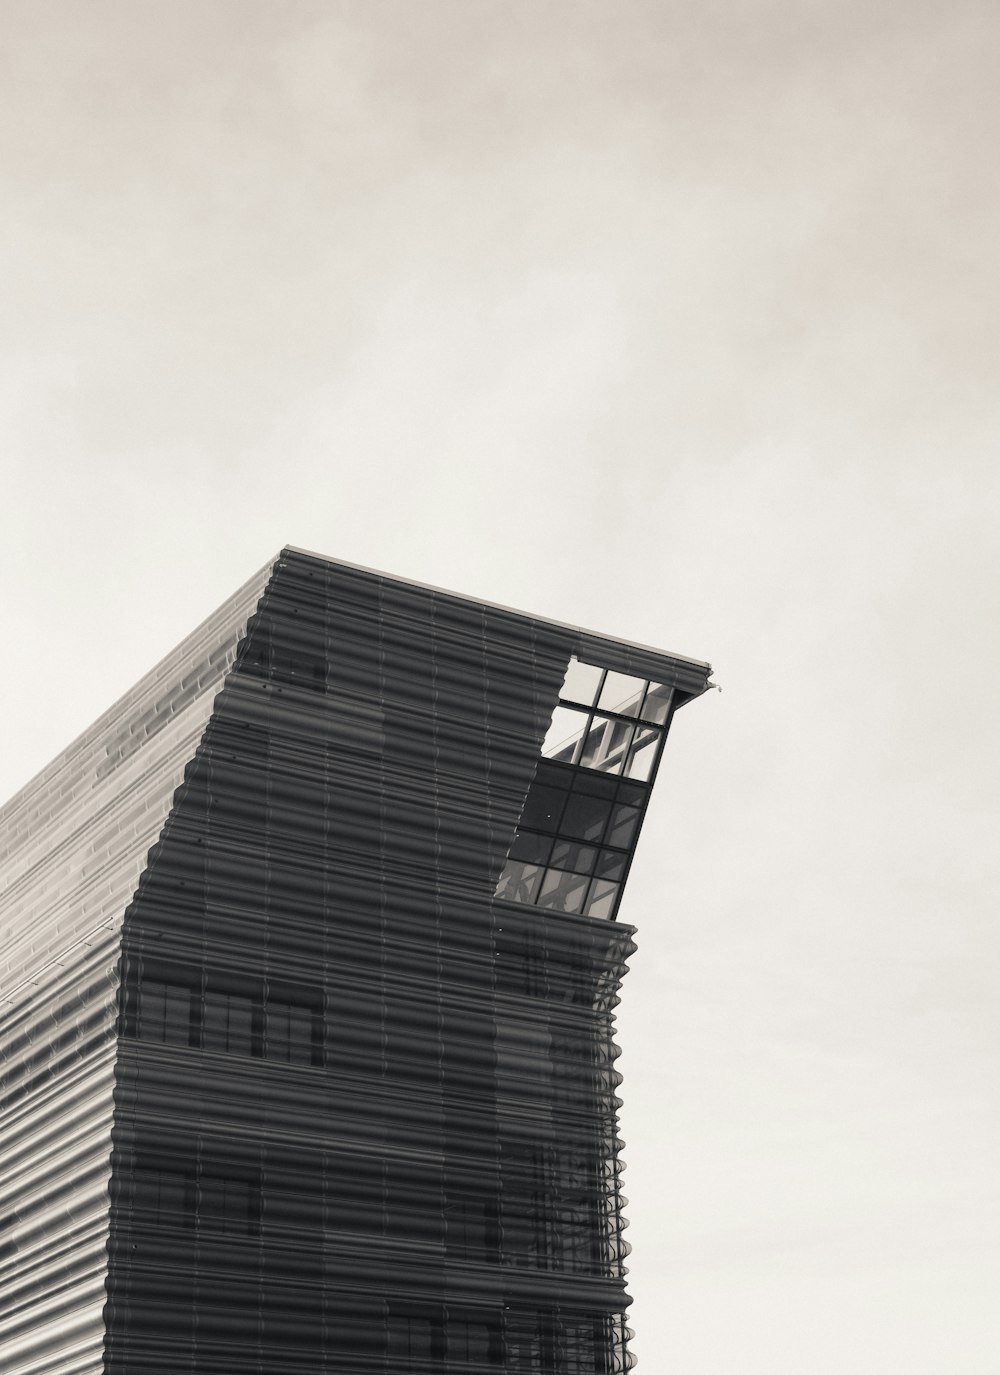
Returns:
(585, 817)
(227, 1023)
(415, 1337)
(230, 1206)
(542, 808)
(166, 1194)
(165, 1012)
(290, 1033)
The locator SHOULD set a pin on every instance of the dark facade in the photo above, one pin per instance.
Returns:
(309, 956)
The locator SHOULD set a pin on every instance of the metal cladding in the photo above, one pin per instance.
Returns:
(287, 1086)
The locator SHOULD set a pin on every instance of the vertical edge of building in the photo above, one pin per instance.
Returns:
(73, 844)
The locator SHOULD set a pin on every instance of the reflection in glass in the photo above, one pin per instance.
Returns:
(611, 865)
(228, 1023)
(656, 707)
(582, 682)
(565, 892)
(568, 855)
(542, 807)
(519, 882)
(585, 817)
(606, 744)
(530, 847)
(562, 741)
(643, 753)
(622, 693)
(623, 824)
(602, 897)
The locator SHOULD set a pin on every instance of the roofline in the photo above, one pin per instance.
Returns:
(700, 664)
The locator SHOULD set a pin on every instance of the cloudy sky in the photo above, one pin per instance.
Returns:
(679, 321)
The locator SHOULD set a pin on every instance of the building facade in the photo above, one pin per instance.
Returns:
(309, 960)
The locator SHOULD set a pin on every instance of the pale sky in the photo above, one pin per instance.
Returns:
(677, 321)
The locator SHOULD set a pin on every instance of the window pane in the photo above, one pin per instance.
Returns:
(636, 793)
(531, 847)
(542, 807)
(642, 755)
(562, 740)
(611, 865)
(228, 1023)
(622, 693)
(519, 882)
(582, 682)
(289, 1033)
(623, 825)
(606, 744)
(585, 817)
(165, 1012)
(601, 901)
(656, 707)
(563, 892)
(566, 854)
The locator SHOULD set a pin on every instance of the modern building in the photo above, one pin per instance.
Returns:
(308, 963)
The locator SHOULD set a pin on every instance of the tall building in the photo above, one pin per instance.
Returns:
(308, 963)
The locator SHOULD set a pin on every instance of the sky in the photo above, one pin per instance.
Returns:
(674, 321)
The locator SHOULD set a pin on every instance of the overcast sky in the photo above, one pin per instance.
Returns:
(675, 320)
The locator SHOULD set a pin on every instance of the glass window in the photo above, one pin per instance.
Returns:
(611, 865)
(519, 882)
(289, 1033)
(582, 682)
(562, 740)
(585, 817)
(594, 783)
(164, 1193)
(531, 847)
(602, 898)
(656, 707)
(227, 1023)
(642, 754)
(564, 892)
(623, 826)
(542, 808)
(622, 693)
(567, 854)
(226, 1205)
(606, 744)
(165, 1012)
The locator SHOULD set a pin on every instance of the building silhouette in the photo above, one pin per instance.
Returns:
(308, 962)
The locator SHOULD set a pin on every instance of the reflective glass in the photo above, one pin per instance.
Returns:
(582, 682)
(562, 741)
(622, 693)
(642, 755)
(542, 807)
(519, 882)
(623, 825)
(602, 898)
(531, 847)
(228, 1023)
(585, 782)
(585, 817)
(289, 1033)
(564, 892)
(611, 865)
(566, 854)
(656, 707)
(606, 744)
(636, 793)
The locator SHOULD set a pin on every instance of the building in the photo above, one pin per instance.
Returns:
(309, 959)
